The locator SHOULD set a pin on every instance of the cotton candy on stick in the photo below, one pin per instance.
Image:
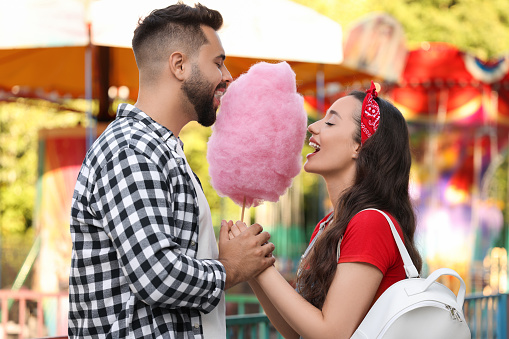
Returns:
(254, 151)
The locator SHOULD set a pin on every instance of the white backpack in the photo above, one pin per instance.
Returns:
(416, 308)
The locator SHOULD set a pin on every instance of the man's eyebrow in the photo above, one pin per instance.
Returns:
(221, 56)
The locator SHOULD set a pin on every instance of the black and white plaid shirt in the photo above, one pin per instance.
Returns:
(134, 227)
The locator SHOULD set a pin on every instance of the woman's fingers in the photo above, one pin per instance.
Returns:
(236, 229)
(242, 226)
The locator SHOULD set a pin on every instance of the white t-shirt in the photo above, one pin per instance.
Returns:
(213, 323)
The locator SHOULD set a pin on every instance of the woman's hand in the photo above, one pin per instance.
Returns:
(236, 229)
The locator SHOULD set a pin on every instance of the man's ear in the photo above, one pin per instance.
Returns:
(177, 64)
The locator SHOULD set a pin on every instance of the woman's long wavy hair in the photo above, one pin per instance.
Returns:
(382, 178)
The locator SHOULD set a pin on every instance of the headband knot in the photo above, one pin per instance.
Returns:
(370, 115)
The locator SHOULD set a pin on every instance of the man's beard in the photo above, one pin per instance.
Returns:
(200, 94)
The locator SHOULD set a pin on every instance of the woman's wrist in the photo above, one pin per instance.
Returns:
(264, 275)
(252, 282)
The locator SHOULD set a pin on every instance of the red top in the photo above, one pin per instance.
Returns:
(368, 238)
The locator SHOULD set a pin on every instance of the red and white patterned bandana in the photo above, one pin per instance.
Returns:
(370, 115)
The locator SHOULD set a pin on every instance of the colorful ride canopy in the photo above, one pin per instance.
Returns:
(456, 107)
(441, 84)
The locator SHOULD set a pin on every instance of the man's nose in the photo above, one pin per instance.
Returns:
(227, 77)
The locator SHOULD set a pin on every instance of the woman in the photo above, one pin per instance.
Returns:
(362, 152)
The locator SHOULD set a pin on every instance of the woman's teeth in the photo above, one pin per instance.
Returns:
(315, 146)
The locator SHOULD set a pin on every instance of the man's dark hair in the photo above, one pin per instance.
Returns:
(174, 27)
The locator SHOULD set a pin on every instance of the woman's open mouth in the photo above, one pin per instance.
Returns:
(315, 146)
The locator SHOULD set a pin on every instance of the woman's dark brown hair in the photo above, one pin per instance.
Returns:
(382, 178)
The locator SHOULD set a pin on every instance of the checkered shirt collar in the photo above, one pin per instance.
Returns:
(131, 111)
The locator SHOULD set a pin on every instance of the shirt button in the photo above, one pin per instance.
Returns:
(196, 325)
(178, 160)
(193, 243)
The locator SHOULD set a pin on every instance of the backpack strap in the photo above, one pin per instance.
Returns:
(410, 270)
(416, 289)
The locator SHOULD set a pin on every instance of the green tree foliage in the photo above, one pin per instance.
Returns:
(20, 122)
(479, 27)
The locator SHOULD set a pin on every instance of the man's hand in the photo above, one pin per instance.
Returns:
(247, 254)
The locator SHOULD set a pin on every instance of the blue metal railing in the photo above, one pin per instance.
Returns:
(486, 316)
(248, 326)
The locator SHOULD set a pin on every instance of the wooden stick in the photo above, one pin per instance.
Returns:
(243, 208)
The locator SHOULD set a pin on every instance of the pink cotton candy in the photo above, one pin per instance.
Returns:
(255, 148)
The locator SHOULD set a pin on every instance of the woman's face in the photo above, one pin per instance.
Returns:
(333, 140)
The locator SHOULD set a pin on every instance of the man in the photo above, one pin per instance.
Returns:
(145, 262)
